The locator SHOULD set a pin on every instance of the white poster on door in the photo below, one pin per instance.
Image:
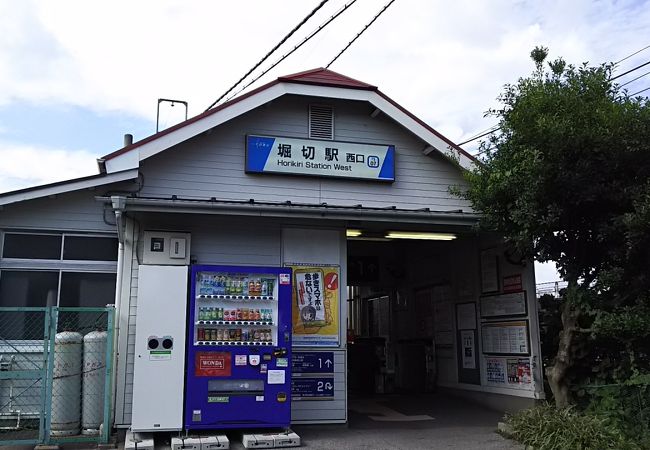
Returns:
(468, 349)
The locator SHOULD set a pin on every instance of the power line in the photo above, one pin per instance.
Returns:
(638, 92)
(282, 41)
(360, 32)
(309, 36)
(631, 70)
(635, 53)
(633, 79)
(485, 132)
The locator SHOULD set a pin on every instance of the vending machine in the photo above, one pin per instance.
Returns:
(239, 348)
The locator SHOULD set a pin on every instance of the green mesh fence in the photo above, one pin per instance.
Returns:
(55, 374)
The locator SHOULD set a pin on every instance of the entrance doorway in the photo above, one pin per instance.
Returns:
(392, 321)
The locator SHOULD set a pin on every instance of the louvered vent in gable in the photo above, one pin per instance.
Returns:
(321, 122)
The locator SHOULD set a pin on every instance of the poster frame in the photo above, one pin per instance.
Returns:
(483, 300)
(314, 342)
(488, 259)
(527, 330)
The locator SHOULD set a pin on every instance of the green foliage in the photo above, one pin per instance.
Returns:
(564, 179)
(567, 179)
(548, 428)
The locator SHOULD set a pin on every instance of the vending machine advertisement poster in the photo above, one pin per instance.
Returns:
(315, 300)
(212, 364)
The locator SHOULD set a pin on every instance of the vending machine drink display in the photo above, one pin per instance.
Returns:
(239, 348)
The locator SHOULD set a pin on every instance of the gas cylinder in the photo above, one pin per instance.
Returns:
(66, 384)
(93, 382)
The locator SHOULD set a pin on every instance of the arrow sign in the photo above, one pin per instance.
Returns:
(312, 388)
(312, 362)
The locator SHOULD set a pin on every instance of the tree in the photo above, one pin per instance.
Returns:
(567, 179)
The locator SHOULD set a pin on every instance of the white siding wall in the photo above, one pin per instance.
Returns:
(212, 164)
(74, 211)
(314, 246)
(214, 241)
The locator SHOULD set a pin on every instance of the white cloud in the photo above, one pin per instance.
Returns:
(24, 166)
(444, 61)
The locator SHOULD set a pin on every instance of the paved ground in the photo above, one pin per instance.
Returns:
(455, 424)
(427, 421)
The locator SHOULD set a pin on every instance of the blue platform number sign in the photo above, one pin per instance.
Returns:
(313, 388)
(312, 362)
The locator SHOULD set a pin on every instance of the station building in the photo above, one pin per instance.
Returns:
(314, 169)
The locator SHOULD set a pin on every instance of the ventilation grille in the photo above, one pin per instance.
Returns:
(321, 122)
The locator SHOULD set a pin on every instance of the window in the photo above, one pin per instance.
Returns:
(87, 289)
(64, 269)
(28, 288)
(86, 248)
(32, 246)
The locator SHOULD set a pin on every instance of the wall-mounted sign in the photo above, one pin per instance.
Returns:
(292, 156)
(508, 372)
(466, 316)
(512, 283)
(512, 304)
(489, 272)
(312, 362)
(505, 338)
(312, 388)
(468, 349)
(315, 311)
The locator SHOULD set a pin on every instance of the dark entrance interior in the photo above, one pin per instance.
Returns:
(397, 335)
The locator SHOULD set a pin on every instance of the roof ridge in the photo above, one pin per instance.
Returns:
(326, 77)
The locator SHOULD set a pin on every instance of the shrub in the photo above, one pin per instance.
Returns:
(547, 428)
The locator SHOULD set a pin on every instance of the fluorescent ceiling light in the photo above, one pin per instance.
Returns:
(420, 235)
(369, 238)
(353, 233)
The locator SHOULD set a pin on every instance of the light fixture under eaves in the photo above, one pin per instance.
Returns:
(420, 235)
(369, 238)
(353, 233)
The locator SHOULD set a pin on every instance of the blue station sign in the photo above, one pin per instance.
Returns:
(312, 388)
(312, 362)
(294, 156)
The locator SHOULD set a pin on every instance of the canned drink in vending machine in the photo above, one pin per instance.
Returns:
(201, 334)
(219, 334)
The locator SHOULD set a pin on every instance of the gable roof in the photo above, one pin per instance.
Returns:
(318, 82)
(61, 187)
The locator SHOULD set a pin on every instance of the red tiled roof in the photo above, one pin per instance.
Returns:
(325, 77)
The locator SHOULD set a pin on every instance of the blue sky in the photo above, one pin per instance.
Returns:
(75, 76)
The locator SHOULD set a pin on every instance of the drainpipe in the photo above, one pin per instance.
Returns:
(119, 204)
